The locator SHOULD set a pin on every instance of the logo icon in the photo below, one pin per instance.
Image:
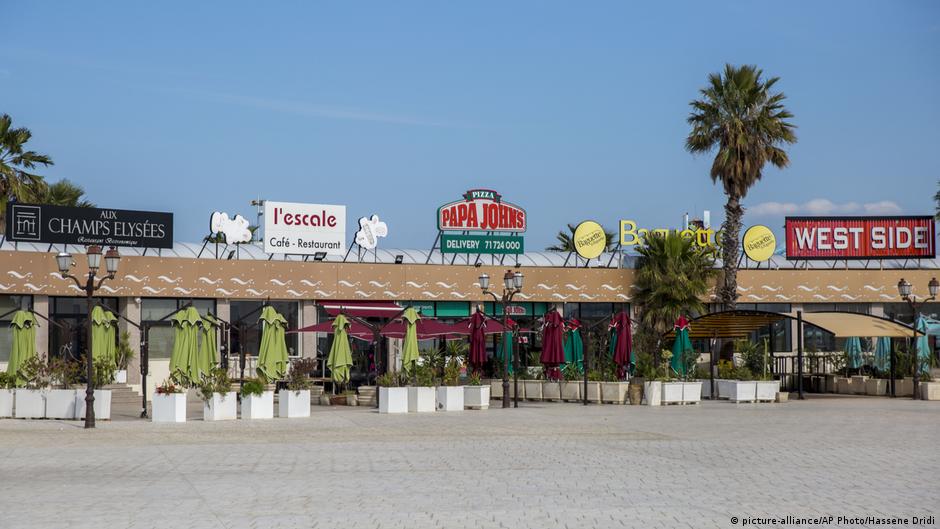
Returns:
(759, 243)
(26, 222)
(234, 230)
(590, 239)
(370, 229)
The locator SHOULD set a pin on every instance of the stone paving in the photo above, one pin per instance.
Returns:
(540, 466)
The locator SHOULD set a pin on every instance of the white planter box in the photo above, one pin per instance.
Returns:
(496, 387)
(60, 403)
(767, 390)
(652, 393)
(102, 405)
(737, 390)
(221, 407)
(168, 407)
(904, 387)
(532, 389)
(477, 397)
(858, 384)
(843, 385)
(876, 387)
(420, 399)
(258, 407)
(120, 376)
(707, 389)
(30, 404)
(571, 390)
(593, 391)
(450, 398)
(691, 392)
(6, 403)
(672, 392)
(929, 390)
(393, 400)
(293, 404)
(551, 390)
(614, 392)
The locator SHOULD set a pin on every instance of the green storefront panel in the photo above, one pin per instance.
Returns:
(453, 309)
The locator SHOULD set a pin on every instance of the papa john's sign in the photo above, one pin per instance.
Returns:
(481, 210)
(860, 237)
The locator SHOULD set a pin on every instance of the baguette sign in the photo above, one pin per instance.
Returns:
(481, 210)
(860, 237)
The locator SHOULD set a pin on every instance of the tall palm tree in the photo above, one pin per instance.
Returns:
(16, 180)
(65, 193)
(566, 241)
(746, 122)
(673, 276)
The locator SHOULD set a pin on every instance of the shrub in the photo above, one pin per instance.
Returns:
(104, 372)
(253, 386)
(124, 353)
(389, 380)
(7, 381)
(452, 373)
(62, 373)
(215, 381)
(169, 386)
(571, 372)
(473, 379)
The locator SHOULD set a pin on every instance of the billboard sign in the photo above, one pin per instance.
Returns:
(911, 237)
(304, 229)
(481, 210)
(88, 226)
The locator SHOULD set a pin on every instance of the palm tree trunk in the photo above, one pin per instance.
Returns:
(728, 283)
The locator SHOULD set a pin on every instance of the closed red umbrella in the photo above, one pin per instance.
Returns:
(623, 347)
(477, 326)
(553, 352)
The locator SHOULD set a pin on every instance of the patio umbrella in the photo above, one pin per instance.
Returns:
(506, 346)
(853, 352)
(553, 352)
(425, 329)
(184, 365)
(409, 349)
(272, 355)
(574, 346)
(622, 342)
(922, 345)
(24, 343)
(208, 350)
(340, 359)
(882, 354)
(103, 324)
(354, 329)
(477, 326)
(681, 346)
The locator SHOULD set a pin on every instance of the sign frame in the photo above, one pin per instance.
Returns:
(929, 219)
(277, 238)
(83, 226)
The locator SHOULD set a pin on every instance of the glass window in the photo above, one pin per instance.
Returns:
(68, 338)
(903, 313)
(8, 306)
(248, 338)
(157, 312)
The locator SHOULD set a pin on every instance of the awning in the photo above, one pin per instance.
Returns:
(741, 323)
(428, 328)
(730, 324)
(363, 309)
(356, 330)
(849, 324)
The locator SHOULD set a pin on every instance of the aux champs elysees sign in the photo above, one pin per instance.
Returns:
(490, 224)
(87, 226)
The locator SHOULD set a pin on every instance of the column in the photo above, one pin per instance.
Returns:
(130, 308)
(41, 307)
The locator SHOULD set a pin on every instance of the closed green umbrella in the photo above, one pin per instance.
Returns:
(923, 345)
(340, 359)
(506, 346)
(681, 346)
(883, 354)
(853, 352)
(208, 351)
(184, 360)
(24, 343)
(574, 345)
(409, 349)
(272, 357)
(103, 333)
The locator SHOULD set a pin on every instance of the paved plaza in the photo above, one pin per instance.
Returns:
(540, 466)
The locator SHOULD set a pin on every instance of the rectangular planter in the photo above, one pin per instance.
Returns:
(571, 390)
(102, 404)
(831, 384)
(929, 390)
(6, 403)
(593, 391)
(293, 404)
(652, 393)
(169, 407)
(691, 392)
(533, 390)
(366, 396)
(393, 400)
(221, 407)
(672, 393)
(551, 390)
(767, 390)
(737, 390)
(258, 406)
(476, 397)
(707, 389)
(60, 403)
(876, 387)
(858, 384)
(614, 392)
(844, 385)
(449, 398)
(421, 399)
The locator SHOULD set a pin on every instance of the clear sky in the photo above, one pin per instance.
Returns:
(573, 110)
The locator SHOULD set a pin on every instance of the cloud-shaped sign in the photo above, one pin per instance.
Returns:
(234, 230)
(370, 229)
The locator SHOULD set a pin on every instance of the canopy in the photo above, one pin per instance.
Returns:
(340, 359)
(184, 363)
(354, 330)
(363, 309)
(849, 324)
(409, 349)
(493, 326)
(272, 356)
(24, 343)
(730, 324)
(103, 334)
(741, 323)
(427, 329)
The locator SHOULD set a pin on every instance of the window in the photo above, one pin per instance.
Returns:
(246, 314)
(9, 305)
(902, 311)
(157, 312)
(780, 331)
(68, 338)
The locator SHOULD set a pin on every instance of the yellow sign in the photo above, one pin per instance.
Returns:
(590, 240)
(630, 235)
(759, 243)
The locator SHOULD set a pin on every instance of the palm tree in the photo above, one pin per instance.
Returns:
(16, 180)
(673, 275)
(566, 241)
(65, 193)
(746, 122)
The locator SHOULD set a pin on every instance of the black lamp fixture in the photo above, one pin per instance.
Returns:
(906, 291)
(319, 256)
(512, 285)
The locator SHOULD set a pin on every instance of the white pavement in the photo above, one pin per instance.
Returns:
(540, 466)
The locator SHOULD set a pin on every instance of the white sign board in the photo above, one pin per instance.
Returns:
(295, 228)
(370, 229)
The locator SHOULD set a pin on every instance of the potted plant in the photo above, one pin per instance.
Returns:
(736, 384)
(572, 380)
(29, 400)
(60, 398)
(421, 393)
(294, 401)
(257, 403)
(476, 394)
(169, 402)
(450, 392)
(929, 390)
(531, 384)
(672, 389)
(757, 361)
(220, 403)
(7, 383)
(124, 353)
(595, 379)
(613, 390)
(392, 397)
(104, 375)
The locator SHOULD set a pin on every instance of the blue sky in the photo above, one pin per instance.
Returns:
(573, 110)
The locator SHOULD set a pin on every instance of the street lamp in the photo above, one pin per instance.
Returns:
(512, 285)
(111, 260)
(905, 289)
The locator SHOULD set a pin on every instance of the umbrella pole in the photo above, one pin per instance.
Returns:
(799, 353)
(515, 369)
(584, 365)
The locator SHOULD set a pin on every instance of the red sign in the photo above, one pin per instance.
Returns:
(860, 237)
(481, 210)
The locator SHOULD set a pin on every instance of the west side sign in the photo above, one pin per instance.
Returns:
(860, 237)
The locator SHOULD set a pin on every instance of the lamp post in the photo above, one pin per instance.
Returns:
(512, 285)
(111, 260)
(906, 291)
